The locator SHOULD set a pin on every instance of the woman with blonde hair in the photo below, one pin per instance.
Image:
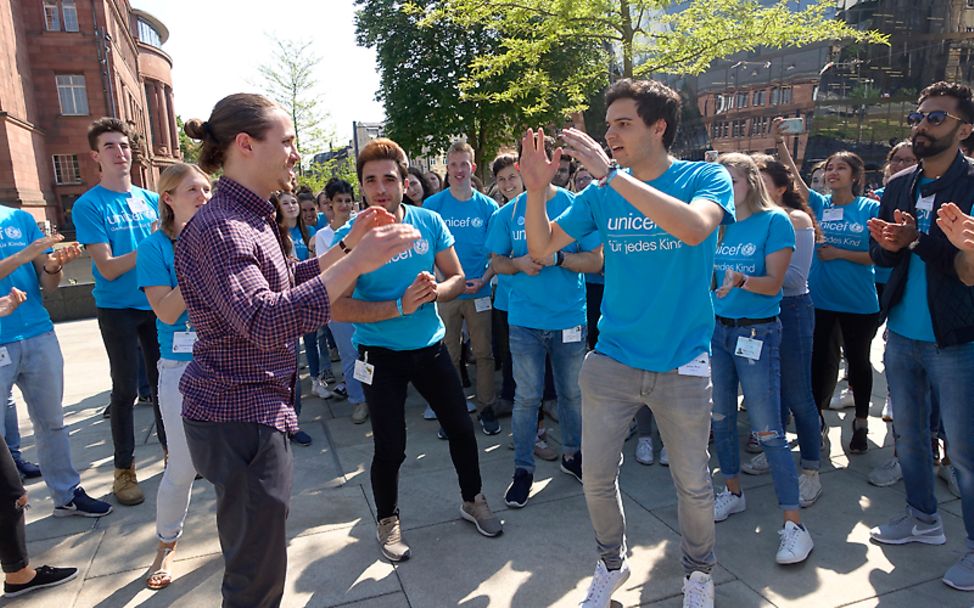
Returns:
(182, 190)
(752, 257)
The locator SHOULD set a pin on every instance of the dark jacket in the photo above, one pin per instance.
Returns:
(951, 302)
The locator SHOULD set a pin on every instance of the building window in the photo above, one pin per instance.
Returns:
(149, 35)
(741, 101)
(52, 19)
(70, 12)
(66, 169)
(785, 95)
(758, 98)
(970, 4)
(72, 95)
(775, 96)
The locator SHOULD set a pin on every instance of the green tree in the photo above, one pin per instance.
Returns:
(636, 37)
(428, 98)
(189, 149)
(318, 174)
(289, 79)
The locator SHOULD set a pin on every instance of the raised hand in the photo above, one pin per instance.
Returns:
(536, 169)
(11, 301)
(587, 151)
(957, 226)
(372, 217)
(381, 244)
(421, 291)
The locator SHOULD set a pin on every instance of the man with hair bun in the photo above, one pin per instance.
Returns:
(111, 220)
(248, 303)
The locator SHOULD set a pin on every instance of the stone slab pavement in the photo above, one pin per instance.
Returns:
(544, 558)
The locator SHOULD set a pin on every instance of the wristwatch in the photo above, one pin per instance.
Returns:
(916, 242)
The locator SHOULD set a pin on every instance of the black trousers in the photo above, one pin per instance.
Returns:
(593, 307)
(502, 352)
(250, 465)
(435, 378)
(13, 542)
(857, 332)
(122, 331)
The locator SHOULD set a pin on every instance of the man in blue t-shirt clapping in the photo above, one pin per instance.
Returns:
(658, 223)
(112, 219)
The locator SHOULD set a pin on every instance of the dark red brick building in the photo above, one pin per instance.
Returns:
(64, 63)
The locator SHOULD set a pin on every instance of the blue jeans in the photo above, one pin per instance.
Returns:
(761, 381)
(342, 332)
(913, 367)
(37, 368)
(528, 350)
(311, 354)
(797, 327)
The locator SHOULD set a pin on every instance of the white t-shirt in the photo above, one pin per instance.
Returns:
(324, 239)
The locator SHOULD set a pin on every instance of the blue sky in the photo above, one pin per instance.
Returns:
(216, 46)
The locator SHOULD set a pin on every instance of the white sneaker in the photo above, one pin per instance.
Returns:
(795, 545)
(318, 388)
(887, 410)
(843, 400)
(664, 457)
(644, 451)
(727, 503)
(886, 474)
(429, 414)
(949, 475)
(698, 591)
(604, 584)
(809, 488)
(757, 465)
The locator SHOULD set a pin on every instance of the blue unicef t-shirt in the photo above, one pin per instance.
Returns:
(154, 266)
(744, 248)
(18, 229)
(656, 313)
(554, 299)
(841, 285)
(424, 327)
(468, 221)
(910, 317)
(122, 220)
(300, 247)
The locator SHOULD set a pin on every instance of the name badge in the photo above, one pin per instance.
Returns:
(749, 348)
(926, 203)
(572, 334)
(364, 372)
(183, 341)
(833, 214)
(699, 367)
(4, 357)
(482, 304)
(137, 205)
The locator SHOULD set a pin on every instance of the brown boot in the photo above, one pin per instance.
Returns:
(126, 487)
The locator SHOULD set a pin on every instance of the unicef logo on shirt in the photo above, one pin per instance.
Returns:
(520, 221)
(477, 222)
(421, 246)
(856, 227)
(748, 249)
(13, 232)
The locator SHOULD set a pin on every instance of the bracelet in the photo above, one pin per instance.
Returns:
(744, 279)
(399, 307)
(613, 169)
(559, 258)
(59, 269)
(345, 248)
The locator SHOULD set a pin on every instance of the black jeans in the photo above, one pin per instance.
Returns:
(502, 353)
(857, 334)
(251, 467)
(593, 307)
(122, 331)
(435, 378)
(13, 542)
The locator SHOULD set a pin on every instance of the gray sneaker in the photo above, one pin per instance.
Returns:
(961, 575)
(480, 515)
(757, 465)
(907, 528)
(389, 535)
(886, 474)
(949, 475)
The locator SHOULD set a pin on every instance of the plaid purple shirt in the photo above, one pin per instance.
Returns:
(242, 302)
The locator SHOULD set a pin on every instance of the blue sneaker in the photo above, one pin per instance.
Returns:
(84, 506)
(28, 470)
(301, 438)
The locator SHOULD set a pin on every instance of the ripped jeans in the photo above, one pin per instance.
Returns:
(761, 380)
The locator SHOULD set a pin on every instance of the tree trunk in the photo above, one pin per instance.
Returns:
(627, 38)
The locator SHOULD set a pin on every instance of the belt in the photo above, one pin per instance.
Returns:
(744, 322)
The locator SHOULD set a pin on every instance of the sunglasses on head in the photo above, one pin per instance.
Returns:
(935, 118)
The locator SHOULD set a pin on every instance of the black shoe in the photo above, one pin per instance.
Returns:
(28, 470)
(858, 445)
(572, 465)
(46, 576)
(144, 400)
(107, 412)
(488, 421)
(441, 434)
(517, 493)
(301, 438)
